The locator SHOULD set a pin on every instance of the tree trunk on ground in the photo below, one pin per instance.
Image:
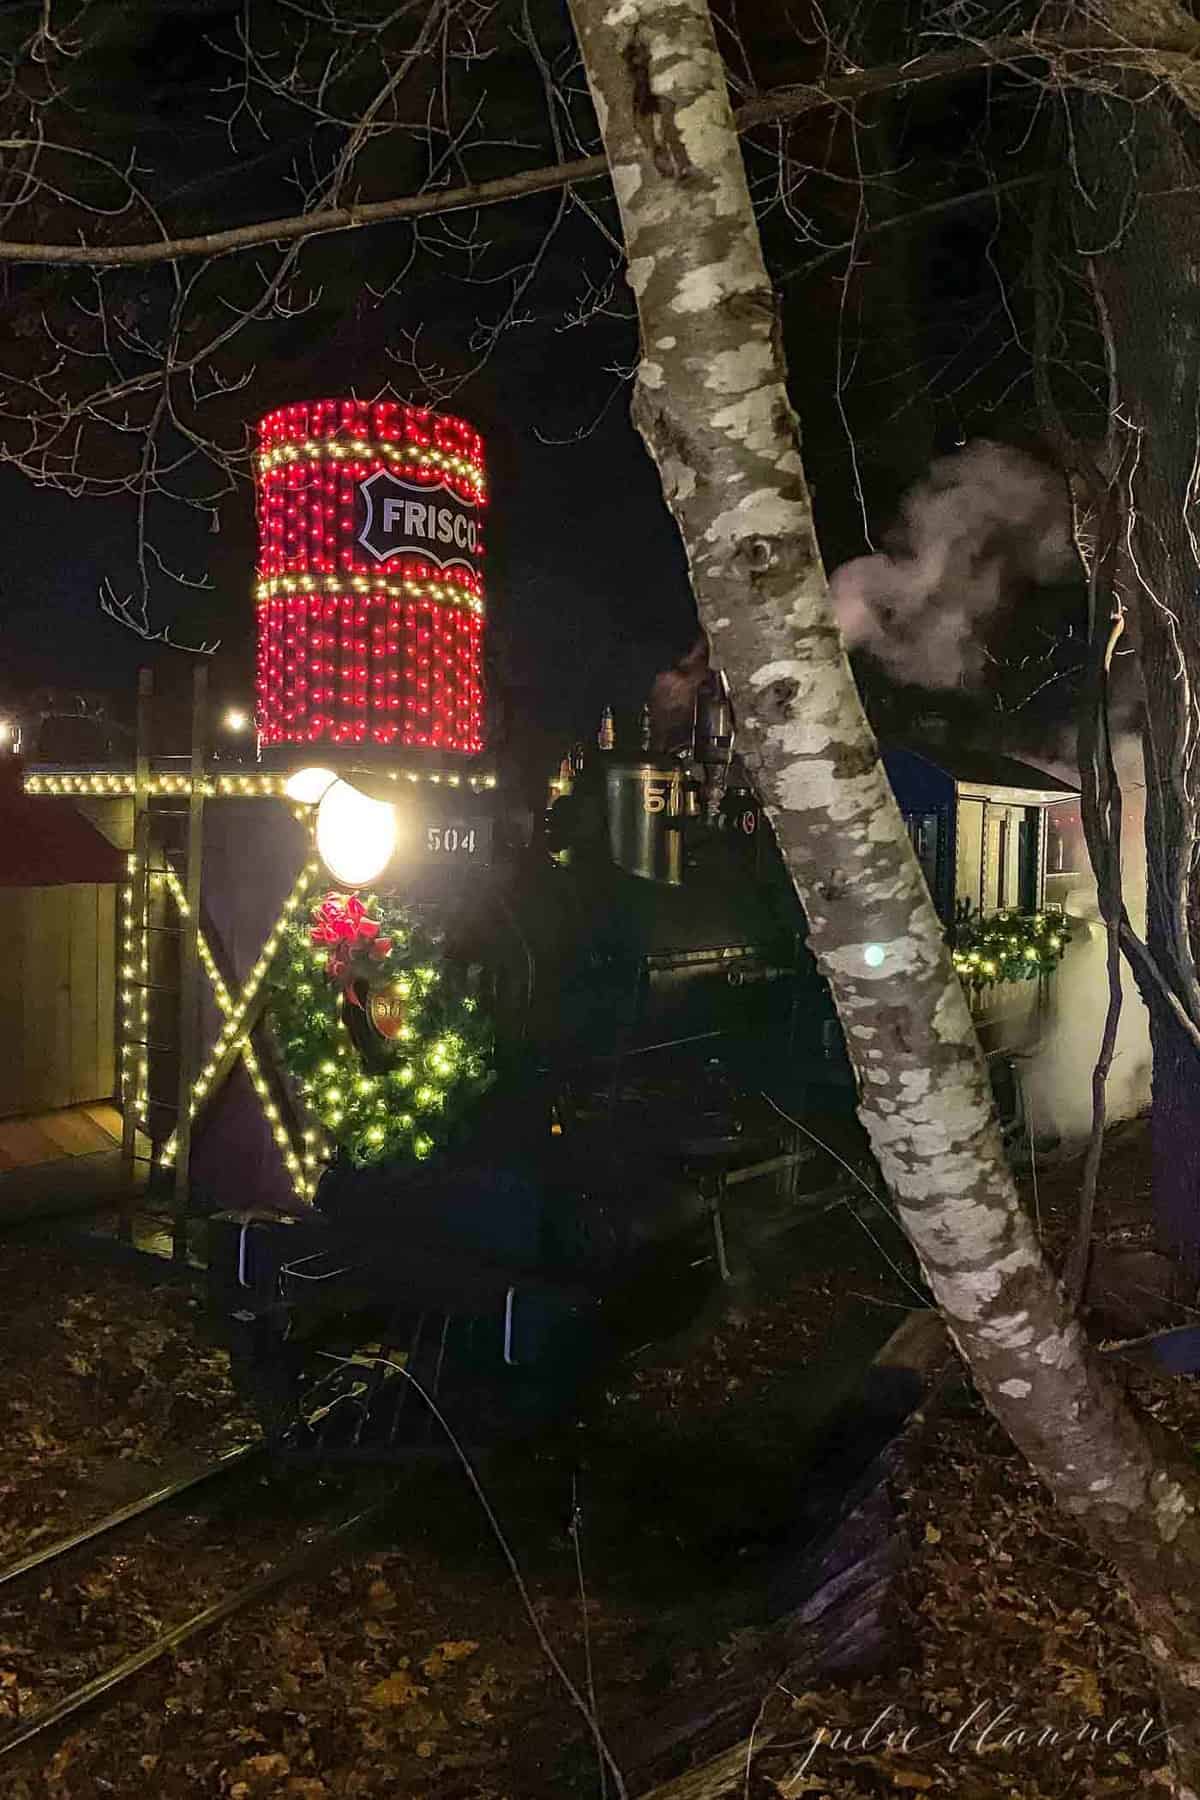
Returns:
(844, 1618)
(712, 406)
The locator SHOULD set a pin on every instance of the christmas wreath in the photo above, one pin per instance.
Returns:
(1006, 946)
(381, 1035)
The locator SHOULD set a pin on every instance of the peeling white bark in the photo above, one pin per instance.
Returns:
(712, 406)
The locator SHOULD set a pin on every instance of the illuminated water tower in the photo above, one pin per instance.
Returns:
(370, 579)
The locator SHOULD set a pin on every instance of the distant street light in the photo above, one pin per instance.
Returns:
(237, 720)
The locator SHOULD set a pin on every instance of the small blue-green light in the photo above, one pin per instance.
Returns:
(873, 955)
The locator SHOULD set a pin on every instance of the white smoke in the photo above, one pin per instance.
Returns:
(986, 521)
(1058, 1079)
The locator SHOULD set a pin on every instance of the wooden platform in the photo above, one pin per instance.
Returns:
(59, 1162)
(36, 1138)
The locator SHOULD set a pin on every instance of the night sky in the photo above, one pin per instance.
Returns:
(587, 584)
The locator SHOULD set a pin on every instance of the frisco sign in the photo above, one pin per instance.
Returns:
(407, 518)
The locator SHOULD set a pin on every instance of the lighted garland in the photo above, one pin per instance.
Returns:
(1007, 946)
(383, 1041)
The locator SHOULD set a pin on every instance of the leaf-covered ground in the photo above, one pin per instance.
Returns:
(102, 1378)
(416, 1668)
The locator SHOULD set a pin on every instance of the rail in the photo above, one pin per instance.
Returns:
(105, 1686)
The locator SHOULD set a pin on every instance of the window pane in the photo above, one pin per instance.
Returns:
(1067, 863)
(923, 830)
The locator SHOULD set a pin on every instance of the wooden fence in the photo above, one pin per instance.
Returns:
(57, 996)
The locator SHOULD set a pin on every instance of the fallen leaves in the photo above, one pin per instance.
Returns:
(1082, 1688)
(260, 1776)
(397, 1690)
(414, 1672)
(119, 1368)
(257, 1775)
(444, 1655)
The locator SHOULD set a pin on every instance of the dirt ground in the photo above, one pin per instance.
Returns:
(422, 1666)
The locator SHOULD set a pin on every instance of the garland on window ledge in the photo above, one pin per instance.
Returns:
(385, 1043)
(991, 948)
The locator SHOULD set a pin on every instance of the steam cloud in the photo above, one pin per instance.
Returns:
(986, 521)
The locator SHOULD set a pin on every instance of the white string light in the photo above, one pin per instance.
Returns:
(233, 1035)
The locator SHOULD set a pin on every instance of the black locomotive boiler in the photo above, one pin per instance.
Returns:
(639, 950)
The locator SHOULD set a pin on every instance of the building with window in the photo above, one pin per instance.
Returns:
(988, 830)
(994, 834)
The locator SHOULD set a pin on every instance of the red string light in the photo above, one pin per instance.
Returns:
(350, 650)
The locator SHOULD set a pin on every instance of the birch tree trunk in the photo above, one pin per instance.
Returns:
(712, 406)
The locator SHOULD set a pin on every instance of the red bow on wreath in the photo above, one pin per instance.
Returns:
(344, 925)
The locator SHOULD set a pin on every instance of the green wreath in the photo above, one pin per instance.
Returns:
(1006, 946)
(381, 1035)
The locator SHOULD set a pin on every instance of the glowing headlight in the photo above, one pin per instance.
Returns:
(355, 836)
(309, 786)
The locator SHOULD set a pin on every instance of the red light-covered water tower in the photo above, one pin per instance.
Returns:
(370, 580)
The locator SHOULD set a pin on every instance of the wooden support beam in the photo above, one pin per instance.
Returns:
(241, 1020)
(279, 1088)
(772, 1165)
(266, 1053)
(721, 1775)
(132, 1015)
(189, 965)
(229, 1058)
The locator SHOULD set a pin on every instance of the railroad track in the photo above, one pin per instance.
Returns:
(223, 1465)
(110, 1682)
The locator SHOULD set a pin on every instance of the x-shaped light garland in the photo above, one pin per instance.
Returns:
(234, 1035)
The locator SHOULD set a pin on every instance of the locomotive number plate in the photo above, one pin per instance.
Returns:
(457, 840)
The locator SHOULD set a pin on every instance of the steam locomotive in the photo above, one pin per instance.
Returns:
(640, 951)
(630, 935)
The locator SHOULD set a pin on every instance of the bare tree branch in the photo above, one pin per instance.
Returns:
(1070, 57)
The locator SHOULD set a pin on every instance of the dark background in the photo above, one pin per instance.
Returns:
(900, 349)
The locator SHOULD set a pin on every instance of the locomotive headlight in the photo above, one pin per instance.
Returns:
(356, 837)
(309, 786)
(874, 956)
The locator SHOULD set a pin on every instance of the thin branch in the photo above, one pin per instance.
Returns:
(876, 227)
(782, 103)
(1100, 791)
(1149, 976)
